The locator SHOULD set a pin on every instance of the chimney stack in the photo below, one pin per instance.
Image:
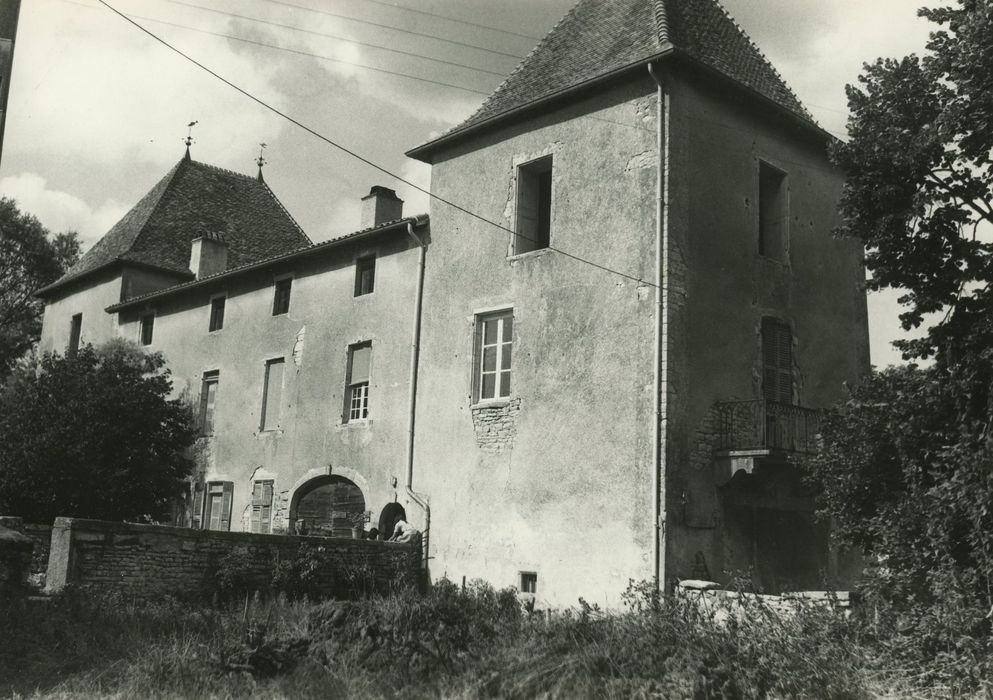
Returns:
(208, 255)
(379, 206)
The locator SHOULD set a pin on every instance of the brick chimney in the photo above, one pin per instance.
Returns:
(208, 255)
(379, 206)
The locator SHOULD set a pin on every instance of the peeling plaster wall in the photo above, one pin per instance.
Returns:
(557, 480)
(323, 320)
(722, 287)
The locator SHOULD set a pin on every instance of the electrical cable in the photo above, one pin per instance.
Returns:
(450, 19)
(363, 159)
(334, 36)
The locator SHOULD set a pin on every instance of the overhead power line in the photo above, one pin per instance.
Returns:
(336, 37)
(299, 52)
(394, 29)
(363, 159)
(404, 8)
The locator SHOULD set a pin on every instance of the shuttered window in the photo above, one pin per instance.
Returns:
(212, 505)
(777, 361)
(208, 399)
(262, 506)
(272, 394)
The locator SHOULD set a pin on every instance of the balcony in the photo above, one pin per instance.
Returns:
(767, 426)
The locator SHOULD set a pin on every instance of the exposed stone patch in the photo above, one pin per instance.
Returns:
(496, 426)
(640, 161)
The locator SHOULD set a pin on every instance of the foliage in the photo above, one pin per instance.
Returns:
(94, 435)
(30, 258)
(904, 474)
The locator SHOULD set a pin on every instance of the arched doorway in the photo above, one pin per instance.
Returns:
(392, 513)
(327, 504)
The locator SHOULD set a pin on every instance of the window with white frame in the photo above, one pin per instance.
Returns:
(493, 350)
(357, 389)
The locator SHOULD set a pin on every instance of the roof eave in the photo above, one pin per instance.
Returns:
(316, 249)
(425, 151)
(114, 262)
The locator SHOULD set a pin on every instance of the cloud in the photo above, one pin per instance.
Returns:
(60, 211)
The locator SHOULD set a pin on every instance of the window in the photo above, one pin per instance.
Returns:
(75, 328)
(365, 275)
(216, 314)
(272, 394)
(529, 582)
(281, 297)
(147, 326)
(773, 212)
(212, 505)
(208, 397)
(357, 389)
(534, 206)
(777, 361)
(494, 341)
(261, 517)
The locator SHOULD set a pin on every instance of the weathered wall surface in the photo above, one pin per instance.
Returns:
(324, 318)
(721, 287)
(148, 561)
(89, 297)
(556, 480)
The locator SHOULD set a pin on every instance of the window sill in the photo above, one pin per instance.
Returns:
(530, 254)
(355, 424)
(491, 403)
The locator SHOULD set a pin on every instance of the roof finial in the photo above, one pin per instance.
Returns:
(260, 161)
(189, 137)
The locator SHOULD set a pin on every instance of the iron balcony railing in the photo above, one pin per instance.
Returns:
(768, 425)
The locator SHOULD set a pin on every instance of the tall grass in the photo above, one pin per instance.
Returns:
(453, 642)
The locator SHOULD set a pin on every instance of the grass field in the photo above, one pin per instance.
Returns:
(467, 643)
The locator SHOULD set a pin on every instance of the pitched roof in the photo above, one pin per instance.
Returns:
(193, 200)
(398, 226)
(600, 37)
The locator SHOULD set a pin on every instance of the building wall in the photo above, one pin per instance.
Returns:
(88, 297)
(556, 480)
(721, 289)
(323, 320)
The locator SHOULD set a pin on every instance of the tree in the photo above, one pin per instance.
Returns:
(906, 472)
(30, 258)
(93, 436)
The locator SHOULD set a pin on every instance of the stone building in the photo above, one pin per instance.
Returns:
(648, 312)
(607, 370)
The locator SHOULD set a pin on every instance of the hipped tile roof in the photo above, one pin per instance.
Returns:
(600, 37)
(194, 200)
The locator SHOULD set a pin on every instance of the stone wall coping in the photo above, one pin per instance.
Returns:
(105, 526)
(14, 539)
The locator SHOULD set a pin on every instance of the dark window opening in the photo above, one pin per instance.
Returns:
(208, 399)
(365, 275)
(75, 329)
(529, 582)
(147, 326)
(281, 296)
(217, 314)
(773, 213)
(534, 206)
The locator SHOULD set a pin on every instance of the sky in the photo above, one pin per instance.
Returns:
(98, 110)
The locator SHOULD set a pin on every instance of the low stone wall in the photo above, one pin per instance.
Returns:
(148, 561)
(15, 559)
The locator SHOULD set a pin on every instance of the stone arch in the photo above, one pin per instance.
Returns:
(327, 503)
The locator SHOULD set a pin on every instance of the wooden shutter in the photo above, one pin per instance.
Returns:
(226, 505)
(196, 520)
(527, 210)
(777, 361)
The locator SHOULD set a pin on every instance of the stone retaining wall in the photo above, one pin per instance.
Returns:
(148, 561)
